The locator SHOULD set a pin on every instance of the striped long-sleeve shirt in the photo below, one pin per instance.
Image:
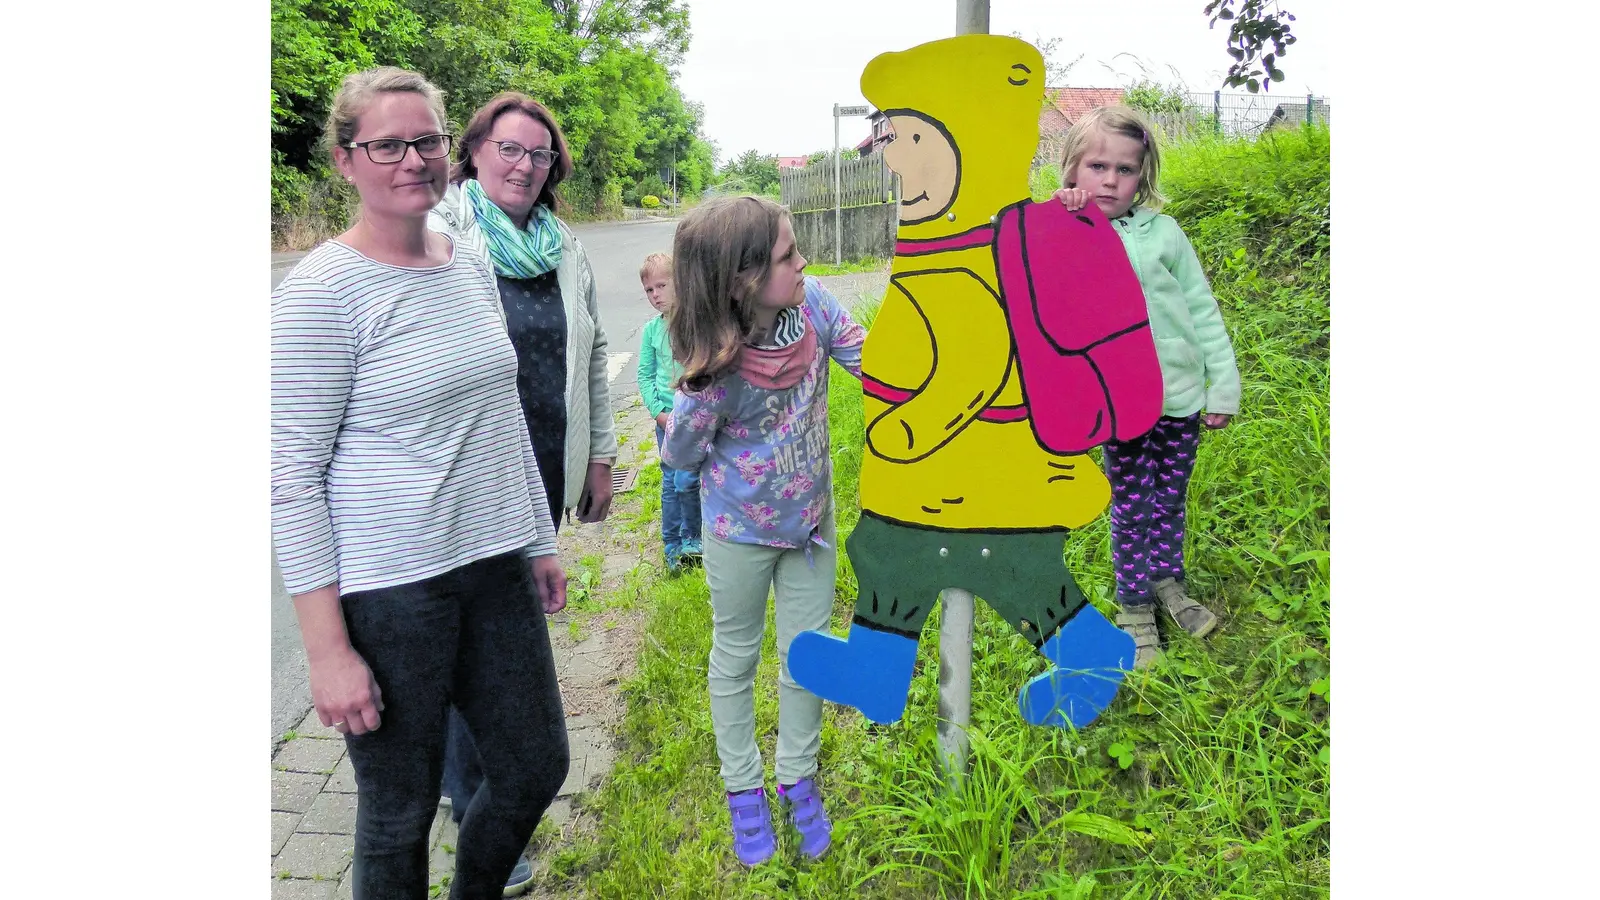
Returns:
(399, 450)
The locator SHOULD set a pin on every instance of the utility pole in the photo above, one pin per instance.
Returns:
(955, 617)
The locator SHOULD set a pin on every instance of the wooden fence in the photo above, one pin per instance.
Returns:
(862, 182)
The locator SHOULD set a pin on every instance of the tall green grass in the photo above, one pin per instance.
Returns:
(848, 267)
(1207, 778)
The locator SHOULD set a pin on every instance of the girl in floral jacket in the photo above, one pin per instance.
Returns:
(754, 336)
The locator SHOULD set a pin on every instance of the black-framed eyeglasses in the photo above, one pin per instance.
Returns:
(388, 151)
(511, 152)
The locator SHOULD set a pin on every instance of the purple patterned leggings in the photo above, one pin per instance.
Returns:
(1149, 487)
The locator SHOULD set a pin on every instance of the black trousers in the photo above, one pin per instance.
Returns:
(463, 767)
(474, 638)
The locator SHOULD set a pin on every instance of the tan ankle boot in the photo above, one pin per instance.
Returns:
(1139, 621)
(1190, 616)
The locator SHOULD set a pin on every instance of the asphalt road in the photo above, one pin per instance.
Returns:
(615, 251)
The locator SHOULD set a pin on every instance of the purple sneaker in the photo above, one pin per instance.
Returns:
(753, 841)
(805, 811)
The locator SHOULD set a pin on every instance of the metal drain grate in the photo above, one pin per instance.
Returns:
(622, 479)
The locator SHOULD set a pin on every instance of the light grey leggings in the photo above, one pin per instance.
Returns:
(741, 576)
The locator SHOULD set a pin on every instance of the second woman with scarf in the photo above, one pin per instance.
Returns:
(501, 202)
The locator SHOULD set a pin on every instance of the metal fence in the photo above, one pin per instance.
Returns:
(1216, 113)
(862, 182)
(1242, 115)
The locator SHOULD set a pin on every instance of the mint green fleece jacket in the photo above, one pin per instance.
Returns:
(658, 371)
(1197, 365)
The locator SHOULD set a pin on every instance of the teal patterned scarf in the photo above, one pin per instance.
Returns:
(517, 252)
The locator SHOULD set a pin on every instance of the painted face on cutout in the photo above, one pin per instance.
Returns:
(786, 285)
(1109, 171)
(404, 189)
(925, 157)
(513, 186)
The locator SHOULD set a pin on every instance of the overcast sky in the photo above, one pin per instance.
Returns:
(769, 72)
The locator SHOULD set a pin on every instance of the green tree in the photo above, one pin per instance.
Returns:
(660, 27)
(315, 43)
(604, 67)
(697, 169)
(474, 49)
(826, 156)
(751, 172)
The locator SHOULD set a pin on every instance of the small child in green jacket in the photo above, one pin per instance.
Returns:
(658, 380)
(1111, 159)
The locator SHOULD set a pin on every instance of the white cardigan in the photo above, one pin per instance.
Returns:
(591, 432)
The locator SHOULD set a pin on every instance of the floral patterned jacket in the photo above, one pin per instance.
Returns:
(766, 474)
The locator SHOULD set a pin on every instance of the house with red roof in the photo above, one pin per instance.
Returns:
(878, 137)
(1066, 105)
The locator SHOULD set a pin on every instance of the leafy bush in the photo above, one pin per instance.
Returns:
(1154, 98)
(649, 201)
(1269, 196)
(1043, 181)
(309, 208)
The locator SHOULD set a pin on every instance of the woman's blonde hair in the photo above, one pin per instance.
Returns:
(358, 89)
(653, 262)
(1128, 122)
(722, 255)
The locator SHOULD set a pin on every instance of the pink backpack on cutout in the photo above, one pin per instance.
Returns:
(1084, 350)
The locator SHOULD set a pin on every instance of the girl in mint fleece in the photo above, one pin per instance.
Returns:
(658, 379)
(755, 337)
(1111, 159)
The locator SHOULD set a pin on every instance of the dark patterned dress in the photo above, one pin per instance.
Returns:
(538, 326)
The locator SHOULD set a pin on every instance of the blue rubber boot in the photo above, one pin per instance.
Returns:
(1091, 656)
(871, 670)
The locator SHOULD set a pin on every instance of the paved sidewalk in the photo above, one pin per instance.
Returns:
(314, 801)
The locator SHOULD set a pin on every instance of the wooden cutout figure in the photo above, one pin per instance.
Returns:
(1013, 338)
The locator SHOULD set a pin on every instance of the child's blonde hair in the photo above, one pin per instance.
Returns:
(654, 262)
(1128, 122)
(722, 255)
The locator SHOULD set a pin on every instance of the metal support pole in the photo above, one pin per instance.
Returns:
(955, 682)
(972, 16)
(955, 617)
(1216, 111)
(1310, 116)
(838, 213)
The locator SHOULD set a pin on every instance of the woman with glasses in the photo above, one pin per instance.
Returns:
(502, 201)
(408, 513)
